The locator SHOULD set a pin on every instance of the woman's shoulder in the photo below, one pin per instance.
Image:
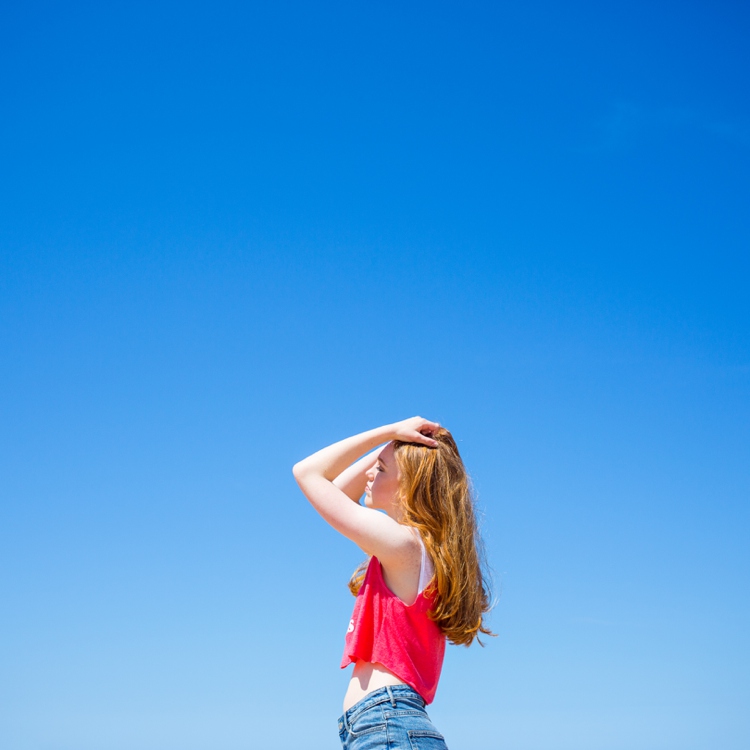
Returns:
(402, 574)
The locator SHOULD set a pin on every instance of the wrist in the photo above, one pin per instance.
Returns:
(387, 432)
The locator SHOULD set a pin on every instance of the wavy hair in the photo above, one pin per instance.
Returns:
(436, 498)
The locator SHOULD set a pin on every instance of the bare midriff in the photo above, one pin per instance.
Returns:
(366, 677)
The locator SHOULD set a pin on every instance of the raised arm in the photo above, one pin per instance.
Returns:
(374, 532)
(352, 481)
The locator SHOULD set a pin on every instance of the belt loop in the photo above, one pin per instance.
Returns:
(390, 695)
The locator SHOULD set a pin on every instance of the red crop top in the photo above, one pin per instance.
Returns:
(402, 638)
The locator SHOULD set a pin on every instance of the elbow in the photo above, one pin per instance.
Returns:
(298, 470)
(305, 475)
(301, 475)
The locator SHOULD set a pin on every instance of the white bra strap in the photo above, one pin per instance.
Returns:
(425, 567)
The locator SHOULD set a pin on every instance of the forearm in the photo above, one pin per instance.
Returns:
(353, 480)
(331, 461)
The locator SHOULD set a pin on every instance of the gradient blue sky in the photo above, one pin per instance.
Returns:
(231, 233)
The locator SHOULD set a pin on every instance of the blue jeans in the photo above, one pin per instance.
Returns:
(390, 718)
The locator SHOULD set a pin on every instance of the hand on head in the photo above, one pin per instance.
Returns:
(416, 430)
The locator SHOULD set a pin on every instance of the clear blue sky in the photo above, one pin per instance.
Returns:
(232, 233)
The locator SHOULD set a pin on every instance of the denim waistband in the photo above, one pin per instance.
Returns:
(389, 693)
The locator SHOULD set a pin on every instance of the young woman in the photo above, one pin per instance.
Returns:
(423, 583)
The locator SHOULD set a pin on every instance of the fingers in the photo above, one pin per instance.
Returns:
(425, 440)
(418, 430)
(424, 432)
(429, 427)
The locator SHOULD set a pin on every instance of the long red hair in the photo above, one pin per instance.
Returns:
(436, 498)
